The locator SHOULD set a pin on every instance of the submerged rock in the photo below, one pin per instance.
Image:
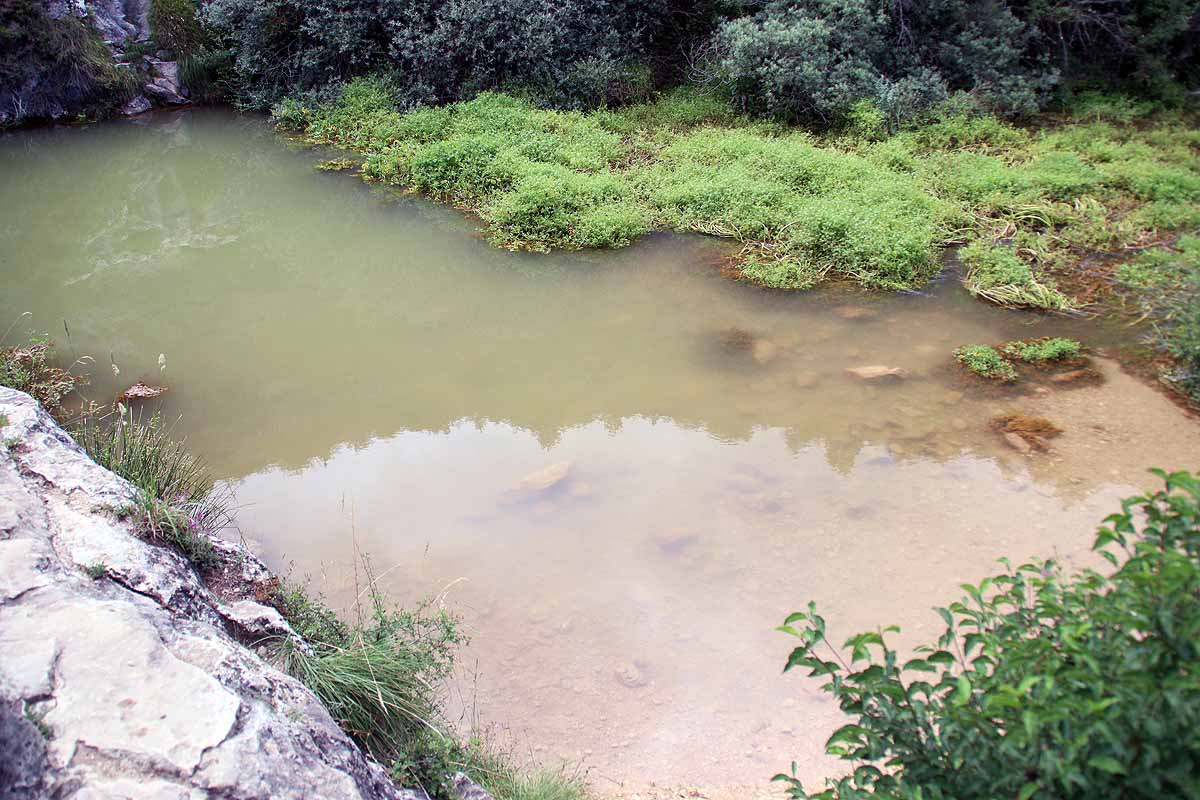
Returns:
(630, 675)
(877, 372)
(142, 391)
(1018, 443)
(125, 657)
(138, 105)
(764, 351)
(545, 479)
(855, 312)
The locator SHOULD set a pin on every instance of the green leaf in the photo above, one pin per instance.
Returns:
(1107, 764)
(1027, 791)
(962, 691)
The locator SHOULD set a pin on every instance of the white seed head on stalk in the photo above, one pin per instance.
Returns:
(162, 361)
(116, 371)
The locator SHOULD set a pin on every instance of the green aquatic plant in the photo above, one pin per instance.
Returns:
(1039, 351)
(986, 362)
(1000, 275)
(1042, 683)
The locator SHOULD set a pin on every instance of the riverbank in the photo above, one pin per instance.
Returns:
(1092, 210)
(214, 674)
(122, 674)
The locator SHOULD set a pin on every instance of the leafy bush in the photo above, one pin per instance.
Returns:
(1038, 351)
(986, 362)
(31, 369)
(1043, 684)
(814, 60)
(572, 54)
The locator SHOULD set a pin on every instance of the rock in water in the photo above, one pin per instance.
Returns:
(141, 391)
(764, 351)
(138, 105)
(877, 372)
(855, 312)
(1018, 443)
(545, 479)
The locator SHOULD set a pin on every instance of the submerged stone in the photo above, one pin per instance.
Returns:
(547, 478)
(877, 372)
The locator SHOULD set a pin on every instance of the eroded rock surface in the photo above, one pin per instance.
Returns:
(133, 681)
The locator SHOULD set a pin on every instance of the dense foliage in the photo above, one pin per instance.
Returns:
(572, 53)
(1042, 685)
(810, 60)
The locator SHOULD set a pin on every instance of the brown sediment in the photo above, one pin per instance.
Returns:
(737, 340)
(1034, 431)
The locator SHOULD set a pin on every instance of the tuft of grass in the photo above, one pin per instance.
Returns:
(96, 571)
(1040, 351)
(379, 675)
(1000, 275)
(174, 526)
(986, 362)
(494, 769)
(143, 452)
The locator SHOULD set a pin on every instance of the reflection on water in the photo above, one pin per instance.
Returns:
(364, 371)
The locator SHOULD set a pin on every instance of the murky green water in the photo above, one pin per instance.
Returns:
(364, 371)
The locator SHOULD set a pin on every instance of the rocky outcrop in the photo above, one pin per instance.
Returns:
(121, 674)
(73, 57)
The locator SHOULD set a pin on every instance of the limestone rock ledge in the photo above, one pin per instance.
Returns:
(132, 685)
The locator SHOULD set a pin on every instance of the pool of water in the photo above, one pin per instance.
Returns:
(622, 468)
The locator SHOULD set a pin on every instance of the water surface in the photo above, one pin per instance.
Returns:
(368, 375)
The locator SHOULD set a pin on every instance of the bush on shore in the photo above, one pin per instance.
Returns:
(1043, 684)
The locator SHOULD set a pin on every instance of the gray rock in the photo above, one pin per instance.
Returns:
(135, 677)
(468, 789)
(22, 757)
(164, 84)
(138, 105)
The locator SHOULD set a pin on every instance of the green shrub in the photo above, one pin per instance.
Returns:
(571, 54)
(31, 369)
(1043, 684)
(1039, 351)
(986, 362)
(206, 74)
(815, 60)
(174, 26)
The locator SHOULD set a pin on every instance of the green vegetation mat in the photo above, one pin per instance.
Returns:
(1028, 204)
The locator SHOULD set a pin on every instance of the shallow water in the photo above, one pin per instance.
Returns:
(367, 374)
